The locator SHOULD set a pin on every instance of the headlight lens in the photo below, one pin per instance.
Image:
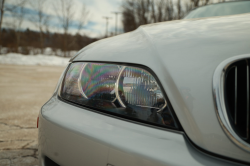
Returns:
(97, 81)
(130, 92)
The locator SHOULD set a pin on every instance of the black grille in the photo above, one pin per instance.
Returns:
(237, 97)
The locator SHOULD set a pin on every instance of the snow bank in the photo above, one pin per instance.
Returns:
(19, 59)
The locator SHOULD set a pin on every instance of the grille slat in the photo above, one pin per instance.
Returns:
(231, 90)
(247, 117)
(237, 98)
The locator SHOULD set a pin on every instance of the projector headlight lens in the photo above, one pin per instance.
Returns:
(130, 92)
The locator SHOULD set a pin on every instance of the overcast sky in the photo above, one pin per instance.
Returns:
(95, 25)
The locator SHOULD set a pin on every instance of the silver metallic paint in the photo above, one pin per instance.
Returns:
(75, 136)
(184, 55)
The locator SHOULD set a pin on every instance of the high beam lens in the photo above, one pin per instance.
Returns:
(138, 87)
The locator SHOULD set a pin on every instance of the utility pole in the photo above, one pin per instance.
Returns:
(107, 23)
(116, 15)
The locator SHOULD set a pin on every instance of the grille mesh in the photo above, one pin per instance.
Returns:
(237, 97)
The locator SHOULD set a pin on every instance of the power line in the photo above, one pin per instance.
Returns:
(116, 16)
(107, 23)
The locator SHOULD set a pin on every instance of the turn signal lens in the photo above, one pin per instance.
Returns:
(130, 92)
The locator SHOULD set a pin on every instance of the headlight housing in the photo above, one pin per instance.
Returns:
(125, 91)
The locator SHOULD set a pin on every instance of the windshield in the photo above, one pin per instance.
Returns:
(220, 9)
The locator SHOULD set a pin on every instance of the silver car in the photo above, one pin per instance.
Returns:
(171, 93)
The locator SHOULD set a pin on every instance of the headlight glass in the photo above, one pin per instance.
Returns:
(97, 81)
(129, 92)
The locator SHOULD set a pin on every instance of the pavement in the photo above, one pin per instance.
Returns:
(23, 91)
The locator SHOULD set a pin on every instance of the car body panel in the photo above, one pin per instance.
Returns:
(67, 148)
(71, 135)
(184, 55)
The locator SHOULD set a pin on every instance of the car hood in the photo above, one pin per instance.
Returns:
(184, 55)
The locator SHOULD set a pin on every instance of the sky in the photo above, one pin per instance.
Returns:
(95, 25)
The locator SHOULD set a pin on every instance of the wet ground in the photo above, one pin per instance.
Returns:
(23, 90)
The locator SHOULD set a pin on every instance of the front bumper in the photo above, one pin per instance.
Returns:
(72, 136)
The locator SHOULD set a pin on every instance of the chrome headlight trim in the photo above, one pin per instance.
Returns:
(117, 86)
(219, 100)
(79, 81)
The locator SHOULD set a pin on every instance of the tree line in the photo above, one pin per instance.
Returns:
(141, 12)
(30, 43)
(18, 40)
(134, 13)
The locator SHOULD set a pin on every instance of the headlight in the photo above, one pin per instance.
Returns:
(129, 92)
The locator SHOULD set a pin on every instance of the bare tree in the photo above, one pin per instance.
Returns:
(179, 11)
(3, 9)
(197, 3)
(17, 14)
(82, 19)
(65, 15)
(169, 10)
(140, 12)
(40, 19)
(2, 12)
(1, 18)
(129, 16)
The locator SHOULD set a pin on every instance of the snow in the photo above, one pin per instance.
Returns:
(40, 59)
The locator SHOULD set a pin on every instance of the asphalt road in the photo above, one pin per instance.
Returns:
(23, 90)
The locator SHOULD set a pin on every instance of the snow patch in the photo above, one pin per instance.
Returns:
(45, 60)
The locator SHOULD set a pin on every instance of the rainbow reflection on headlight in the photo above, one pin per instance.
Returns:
(97, 81)
(130, 92)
